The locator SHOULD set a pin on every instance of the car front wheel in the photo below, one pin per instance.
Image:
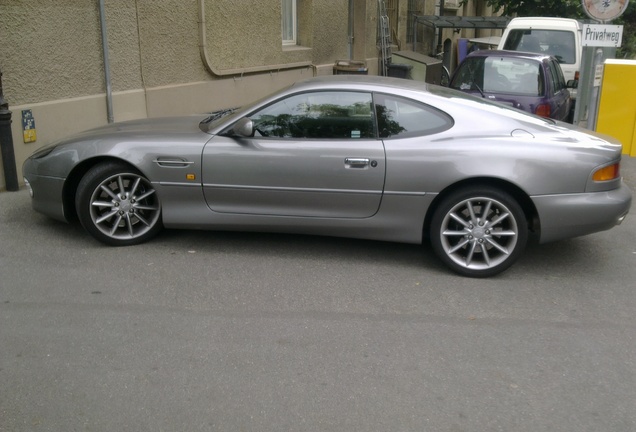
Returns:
(479, 231)
(117, 205)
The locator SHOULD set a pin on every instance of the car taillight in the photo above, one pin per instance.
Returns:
(610, 172)
(543, 110)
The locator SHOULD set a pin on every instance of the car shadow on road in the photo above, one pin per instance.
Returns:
(558, 258)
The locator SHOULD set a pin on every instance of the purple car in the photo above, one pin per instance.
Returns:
(528, 81)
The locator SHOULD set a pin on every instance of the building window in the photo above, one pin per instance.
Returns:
(289, 22)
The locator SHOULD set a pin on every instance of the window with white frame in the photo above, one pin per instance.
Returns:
(289, 21)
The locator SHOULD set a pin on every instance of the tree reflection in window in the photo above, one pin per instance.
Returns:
(386, 125)
(401, 118)
(322, 115)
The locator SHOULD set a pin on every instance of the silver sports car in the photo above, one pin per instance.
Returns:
(364, 157)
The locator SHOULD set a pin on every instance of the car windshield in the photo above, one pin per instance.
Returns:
(214, 119)
(557, 43)
(496, 74)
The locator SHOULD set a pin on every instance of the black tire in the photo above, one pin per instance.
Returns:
(479, 231)
(117, 205)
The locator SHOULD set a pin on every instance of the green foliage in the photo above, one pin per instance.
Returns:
(570, 9)
(546, 8)
(628, 19)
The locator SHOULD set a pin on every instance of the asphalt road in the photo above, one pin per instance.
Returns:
(206, 331)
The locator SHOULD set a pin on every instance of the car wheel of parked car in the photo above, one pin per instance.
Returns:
(117, 205)
(479, 231)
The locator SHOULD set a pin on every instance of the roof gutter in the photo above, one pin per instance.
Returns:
(203, 49)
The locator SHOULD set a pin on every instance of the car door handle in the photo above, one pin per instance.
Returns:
(356, 162)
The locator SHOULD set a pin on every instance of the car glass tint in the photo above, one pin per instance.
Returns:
(401, 118)
(559, 81)
(319, 115)
(513, 76)
(557, 43)
(470, 75)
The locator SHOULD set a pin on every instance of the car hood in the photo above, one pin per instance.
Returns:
(166, 129)
(161, 125)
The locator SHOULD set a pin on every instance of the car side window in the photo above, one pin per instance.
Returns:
(557, 76)
(317, 115)
(401, 118)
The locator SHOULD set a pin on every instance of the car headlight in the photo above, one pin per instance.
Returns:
(28, 185)
(44, 151)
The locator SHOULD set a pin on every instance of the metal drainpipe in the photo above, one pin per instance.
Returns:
(350, 30)
(109, 91)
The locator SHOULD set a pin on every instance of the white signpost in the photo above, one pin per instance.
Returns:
(602, 35)
(599, 43)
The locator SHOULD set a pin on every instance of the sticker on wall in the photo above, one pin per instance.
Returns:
(28, 126)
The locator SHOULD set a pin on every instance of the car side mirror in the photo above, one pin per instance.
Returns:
(572, 84)
(244, 127)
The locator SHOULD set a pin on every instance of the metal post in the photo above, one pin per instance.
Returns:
(6, 144)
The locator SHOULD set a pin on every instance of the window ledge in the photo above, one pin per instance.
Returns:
(288, 48)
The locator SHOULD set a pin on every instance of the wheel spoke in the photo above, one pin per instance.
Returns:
(486, 211)
(460, 220)
(146, 195)
(458, 246)
(103, 204)
(122, 189)
(504, 233)
(499, 219)
(145, 207)
(106, 217)
(129, 224)
(142, 219)
(134, 187)
(451, 233)
(497, 246)
(485, 254)
(115, 225)
(471, 211)
(109, 192)
(471, 252)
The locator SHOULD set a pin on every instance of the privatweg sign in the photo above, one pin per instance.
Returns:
(601, 35)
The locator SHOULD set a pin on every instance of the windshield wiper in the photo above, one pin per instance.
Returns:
(217, 115)
(480, 90)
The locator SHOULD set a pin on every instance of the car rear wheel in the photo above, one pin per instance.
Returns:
(117, 205)
(479, 231)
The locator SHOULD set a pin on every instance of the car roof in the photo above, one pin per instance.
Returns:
(544, 23)
(512, 54)
(360, 82)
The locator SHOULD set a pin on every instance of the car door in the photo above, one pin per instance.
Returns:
(313, 154)
(560, 96)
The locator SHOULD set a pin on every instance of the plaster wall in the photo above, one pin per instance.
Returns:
(52, 59)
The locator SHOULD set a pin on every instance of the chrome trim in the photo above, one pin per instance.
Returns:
(291, 189)
(172, 163)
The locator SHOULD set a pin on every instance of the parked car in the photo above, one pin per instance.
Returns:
(351, 156)
(528, 81)
(558, 37)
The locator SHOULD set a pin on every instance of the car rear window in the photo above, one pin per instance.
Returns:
(500, 75)
(558, 43)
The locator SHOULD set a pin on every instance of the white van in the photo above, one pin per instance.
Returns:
(559, 37)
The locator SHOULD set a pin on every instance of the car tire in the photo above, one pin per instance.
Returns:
(117, 205)
(478, 231)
